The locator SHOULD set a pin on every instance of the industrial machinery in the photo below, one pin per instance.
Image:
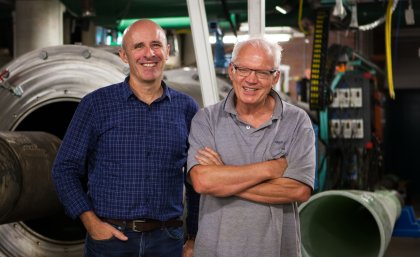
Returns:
(351, 122)
(39, 93)
(354, 211)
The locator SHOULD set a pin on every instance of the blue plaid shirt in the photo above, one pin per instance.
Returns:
(133, 155)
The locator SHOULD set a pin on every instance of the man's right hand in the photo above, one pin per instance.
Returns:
(99, 230)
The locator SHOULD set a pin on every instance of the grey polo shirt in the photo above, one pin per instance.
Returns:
(232, 226)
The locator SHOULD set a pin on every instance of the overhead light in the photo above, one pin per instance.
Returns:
(244, 28)
(278, 37)
(231, 39)
(281, 9)
(88, 14)
(88, 9)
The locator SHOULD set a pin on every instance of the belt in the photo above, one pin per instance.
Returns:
(145, 225)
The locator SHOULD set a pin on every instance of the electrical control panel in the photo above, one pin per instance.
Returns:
(346, 128)
(350, 111)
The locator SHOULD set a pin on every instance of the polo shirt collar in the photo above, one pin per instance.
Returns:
(229, 105)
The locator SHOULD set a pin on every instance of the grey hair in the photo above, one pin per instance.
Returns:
(271, 48)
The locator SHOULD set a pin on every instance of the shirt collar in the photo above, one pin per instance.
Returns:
(127, 92)
(229, 105)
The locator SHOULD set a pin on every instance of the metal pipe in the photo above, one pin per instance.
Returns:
(52, 80)
(26, 157)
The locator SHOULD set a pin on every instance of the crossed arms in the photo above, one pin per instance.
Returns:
(261, 182)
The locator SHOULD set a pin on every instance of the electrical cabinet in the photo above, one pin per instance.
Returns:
(350, 112)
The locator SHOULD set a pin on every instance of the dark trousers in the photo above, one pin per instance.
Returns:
(165, 242)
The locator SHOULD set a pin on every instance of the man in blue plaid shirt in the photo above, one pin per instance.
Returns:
(130, 140)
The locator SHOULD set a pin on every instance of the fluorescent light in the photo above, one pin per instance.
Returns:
(280, 10)
(278, 37)
(231, 39)
(244, 27)
(278, 29)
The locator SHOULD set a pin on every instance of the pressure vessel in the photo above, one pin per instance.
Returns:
(39, 93)
(26, 157)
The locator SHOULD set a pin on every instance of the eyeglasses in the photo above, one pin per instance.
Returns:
(261, 74)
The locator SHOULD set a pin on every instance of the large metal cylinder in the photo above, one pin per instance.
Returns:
(26, 157)
(40, 92)
(348, 223)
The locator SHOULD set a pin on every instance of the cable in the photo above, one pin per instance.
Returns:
(388, 22)
(300, 18)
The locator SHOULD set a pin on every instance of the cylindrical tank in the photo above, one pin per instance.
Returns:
(40, 92)
(26, 157)
(348, 223)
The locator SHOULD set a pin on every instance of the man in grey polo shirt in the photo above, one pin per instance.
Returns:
(252, 159)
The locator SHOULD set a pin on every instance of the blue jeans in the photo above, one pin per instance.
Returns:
(165, 242)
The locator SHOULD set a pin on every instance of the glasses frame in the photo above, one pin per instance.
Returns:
(261, 74)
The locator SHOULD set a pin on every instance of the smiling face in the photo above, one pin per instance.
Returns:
(251, 90)
(145, 49)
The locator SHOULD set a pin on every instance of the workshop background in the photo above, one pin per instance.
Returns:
(353, 65)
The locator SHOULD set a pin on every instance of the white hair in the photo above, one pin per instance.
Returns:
(271, 48)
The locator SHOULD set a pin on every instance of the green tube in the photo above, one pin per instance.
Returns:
(171, 23)
(348, 223)
(166, 23)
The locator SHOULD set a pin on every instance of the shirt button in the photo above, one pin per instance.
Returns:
(248, 127)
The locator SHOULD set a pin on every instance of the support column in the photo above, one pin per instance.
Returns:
(89, 35)
(37, 23)
(202, 49)
(256, 17)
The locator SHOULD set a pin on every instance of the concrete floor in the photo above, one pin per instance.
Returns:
(403, 247)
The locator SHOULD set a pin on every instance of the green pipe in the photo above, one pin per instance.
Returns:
(166, 23)
(348, 223)
(172, 23)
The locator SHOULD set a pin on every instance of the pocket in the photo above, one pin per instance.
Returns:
(104, 247)
(276, 150)
(175, 233)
